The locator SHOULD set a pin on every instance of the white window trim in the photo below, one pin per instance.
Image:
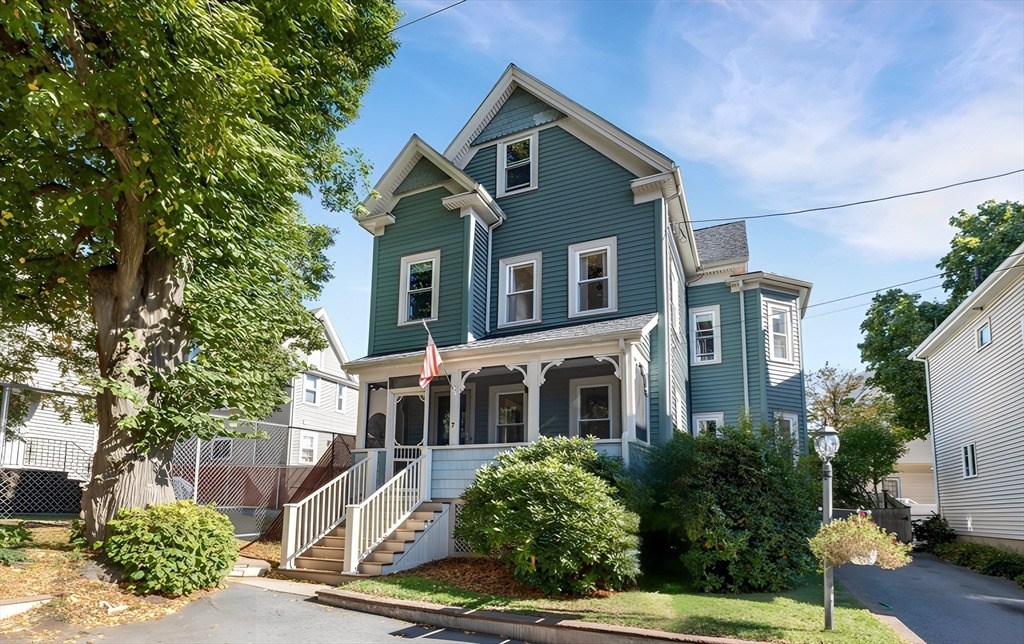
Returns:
(716, 321)
(609, 244)
(987, 322)
(403, 286)
(220, 440)
(644, 369)
(303, 434)
(503, 269)
(316, 389)
(492, 412)
(676, 313)
(794, 428)
(341, 397)
(612, 383)
(717, 416)
(501, 164)
(775, 306)
(969, 448)
(438, 392)
(899, 485)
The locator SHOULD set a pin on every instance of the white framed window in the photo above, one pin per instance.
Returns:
(892, 486)
(983, 334)
(593, 277)
(789, 422)
(419, 287)
(508, 414)
(705, 335)
(780, 332)
(642, 402)
(969, 461)
(517, 165)
(675, 313)
(519, 285)
(594, 407)
(310, 389)
(341, 397)
(220, 449)
(307, 448)
(708, 422)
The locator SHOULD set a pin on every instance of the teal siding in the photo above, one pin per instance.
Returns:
(421, 224)
(453, 470)
(678, 359)
(582, 195)
(755, 355)
(719, 387)
(521, 111)
(657, 436)
(423, 174)
(785, 382)
(482, 168)
(483, 399)
(554, 396)
(478, 319)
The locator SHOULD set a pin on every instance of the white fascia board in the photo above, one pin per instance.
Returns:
(332, 335)
(1001, 279)
(513, 77)
(777, 282)
(668, 186)
(479, 202)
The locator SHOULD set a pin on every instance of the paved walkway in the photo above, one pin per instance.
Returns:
(943, 603)
(242, 613)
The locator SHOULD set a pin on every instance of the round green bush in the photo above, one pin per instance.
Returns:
(173, 549)
(549, 518)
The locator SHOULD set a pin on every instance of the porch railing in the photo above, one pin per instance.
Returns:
(370, 522)
(309, 520)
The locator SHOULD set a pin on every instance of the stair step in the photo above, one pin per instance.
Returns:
(431, 507)
(332, 542)
(381, 556)
(422, 515)
(414, 525)
(337, 532)
(392, 545)
(320, 563)
(371, 568)
(322, 576)
(403, 534)
(326, 552)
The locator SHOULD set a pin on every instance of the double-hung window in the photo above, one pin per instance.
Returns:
(705, 335)
(307, 448)
(311, 389)
(341, 397)
(593, 277)
(419, 288)
(970, 464)
(517, 165)
(780, 333)
(594, 408)
(519, 281)
(509, 414)
(789, 423)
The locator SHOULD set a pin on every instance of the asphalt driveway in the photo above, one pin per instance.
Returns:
(943, 603)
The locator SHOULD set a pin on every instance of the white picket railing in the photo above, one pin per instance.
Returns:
(309, 520)
(370, 522)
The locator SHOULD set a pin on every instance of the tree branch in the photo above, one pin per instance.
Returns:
(52, 187)
(76, 45)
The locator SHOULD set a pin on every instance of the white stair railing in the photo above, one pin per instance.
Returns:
(312, 518)
(370, 522)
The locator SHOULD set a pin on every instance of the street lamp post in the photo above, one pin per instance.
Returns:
(826, 444)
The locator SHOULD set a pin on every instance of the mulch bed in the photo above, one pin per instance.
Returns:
(478, 574)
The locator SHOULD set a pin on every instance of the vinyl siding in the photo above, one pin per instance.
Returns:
(978, 396)
(423, 174)
(678, 358)
(658, 437)
(521, 111)
(483, 400)
(785, 381)
(478, 318)
(421, 224)
(719, 387)
(555, 396)
(582, 196)
(323, 415)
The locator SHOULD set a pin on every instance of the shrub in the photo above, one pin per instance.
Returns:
(1020, 580)
(174, 549)
(76, 537)
(933, 532)
(8, 556)
(12, 536)
(548, 517)
(986, 560)
(745, 510)
(856, 537)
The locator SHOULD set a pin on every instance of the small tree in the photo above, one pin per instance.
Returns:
(870, 452)
(832, 396)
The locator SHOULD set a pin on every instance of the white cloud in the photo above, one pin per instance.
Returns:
(810, 105)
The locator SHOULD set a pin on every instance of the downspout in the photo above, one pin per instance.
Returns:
(743, 350)
(490, 241)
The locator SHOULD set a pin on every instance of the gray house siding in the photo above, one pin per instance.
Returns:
(582, 195)
(423, 174)
(478, 319)
(521, 111)
(785, 382)
(421, 224)
(719, 387)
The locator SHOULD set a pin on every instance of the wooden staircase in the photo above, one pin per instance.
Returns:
(324, 562)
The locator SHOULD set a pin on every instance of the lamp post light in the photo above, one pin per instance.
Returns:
(826, 444)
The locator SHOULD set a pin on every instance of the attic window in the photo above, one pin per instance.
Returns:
(517, 165)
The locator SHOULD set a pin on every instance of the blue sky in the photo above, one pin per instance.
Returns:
(765, 107)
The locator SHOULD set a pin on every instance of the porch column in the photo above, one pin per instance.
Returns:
(362, 405)
(533, 380)
(628, 384)
(454, 415)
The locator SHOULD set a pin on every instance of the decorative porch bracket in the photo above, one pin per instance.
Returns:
(613, 361)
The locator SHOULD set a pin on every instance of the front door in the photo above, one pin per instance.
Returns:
(406, 428)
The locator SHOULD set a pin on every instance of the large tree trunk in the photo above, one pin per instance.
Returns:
(139, 297)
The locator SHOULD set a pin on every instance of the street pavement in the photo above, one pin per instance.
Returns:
(245, 614)
(943, 603)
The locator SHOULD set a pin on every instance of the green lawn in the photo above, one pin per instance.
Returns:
(794, 616)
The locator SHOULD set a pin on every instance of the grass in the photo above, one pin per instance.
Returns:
(794, 616)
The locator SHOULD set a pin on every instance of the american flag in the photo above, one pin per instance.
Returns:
(431, 361)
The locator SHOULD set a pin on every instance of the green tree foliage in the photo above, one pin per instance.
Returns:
(832, 397)
(173, 549)
(547, 513)
(869, 451)
(151, 156)
(983, 239)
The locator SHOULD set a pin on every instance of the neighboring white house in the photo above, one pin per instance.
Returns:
(974, 363)
(913, 482)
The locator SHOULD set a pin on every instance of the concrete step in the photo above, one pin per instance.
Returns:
(321, 576)
(320, 563)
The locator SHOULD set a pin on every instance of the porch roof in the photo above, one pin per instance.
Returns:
(578, 334)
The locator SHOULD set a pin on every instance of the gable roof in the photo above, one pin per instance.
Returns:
(333, 341)
(1007, 274)
(520, 105)
(722, 244)
(416, 167)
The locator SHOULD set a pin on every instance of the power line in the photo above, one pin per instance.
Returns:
(857, 306)
(853, 203)
(412, 22)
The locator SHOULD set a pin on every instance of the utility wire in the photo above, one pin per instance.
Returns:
(852, 203)
(412, 22)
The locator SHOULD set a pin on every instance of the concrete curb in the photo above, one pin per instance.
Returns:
(888, 619)
(536, 629)
(281, 585)
(17, 605)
